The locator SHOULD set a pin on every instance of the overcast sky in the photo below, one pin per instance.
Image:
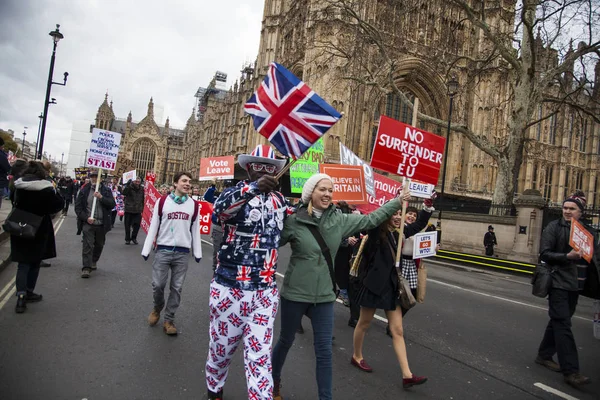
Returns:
(135, 49)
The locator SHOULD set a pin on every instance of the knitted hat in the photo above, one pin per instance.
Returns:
(309, 186)
(578, 198)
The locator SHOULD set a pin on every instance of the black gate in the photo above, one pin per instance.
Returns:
(591, 217)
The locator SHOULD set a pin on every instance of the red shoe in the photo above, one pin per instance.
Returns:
(362, 365)
(415, 380)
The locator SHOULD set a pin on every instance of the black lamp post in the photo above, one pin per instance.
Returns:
(56, 37)
(452, 85)
(166, 160)
(62, 157)
(23, 144)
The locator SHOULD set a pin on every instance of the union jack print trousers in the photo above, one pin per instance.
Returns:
(242, 315)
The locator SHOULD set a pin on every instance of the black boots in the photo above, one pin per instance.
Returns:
(215, 396)
(21, 304)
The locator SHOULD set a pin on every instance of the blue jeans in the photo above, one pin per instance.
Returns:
(27, 276)
(321, 316)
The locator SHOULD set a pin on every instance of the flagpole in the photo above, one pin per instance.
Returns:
(285, 169)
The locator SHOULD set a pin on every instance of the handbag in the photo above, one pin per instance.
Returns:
(421, 282)
(326, 253)
(407, 300)
(22, 223)
(541, 281)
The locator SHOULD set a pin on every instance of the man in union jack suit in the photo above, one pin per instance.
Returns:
(243, 294)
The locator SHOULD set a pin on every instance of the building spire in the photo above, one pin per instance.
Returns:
(151, 109)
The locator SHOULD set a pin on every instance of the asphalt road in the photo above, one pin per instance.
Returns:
(475, 337)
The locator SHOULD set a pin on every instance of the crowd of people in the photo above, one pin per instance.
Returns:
(336, 252)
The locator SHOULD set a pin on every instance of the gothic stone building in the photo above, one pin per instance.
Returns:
(146, 146)
(565, 150)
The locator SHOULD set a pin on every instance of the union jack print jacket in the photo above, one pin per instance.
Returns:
(252, 224)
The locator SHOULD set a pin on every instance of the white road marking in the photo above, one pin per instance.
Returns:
(554, 391)
(8, 296)
(498, 297)
(57, 227)
(465, 290)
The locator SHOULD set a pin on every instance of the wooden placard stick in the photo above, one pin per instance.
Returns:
(405, 183)
(285, 169)
(95, 190)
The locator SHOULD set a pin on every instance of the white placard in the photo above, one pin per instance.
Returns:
(104, 149)
(129, 175)
(347, 157)
(420, 189)
(425, 244)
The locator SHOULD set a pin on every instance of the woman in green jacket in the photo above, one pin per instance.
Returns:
(308, 285)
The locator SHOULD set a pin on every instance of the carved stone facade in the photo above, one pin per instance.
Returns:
(562, 155)
(151, 148)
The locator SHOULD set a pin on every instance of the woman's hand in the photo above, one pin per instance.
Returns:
(574, 255)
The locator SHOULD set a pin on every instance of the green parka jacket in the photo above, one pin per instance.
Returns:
(307, 277)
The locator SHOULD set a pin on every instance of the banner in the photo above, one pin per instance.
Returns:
(150, 177)
(151, 196)
(385, 190)
(348, 182)
(104, 149)
(129, 175)
(306, 166)
(81, 173)
(216, 168)
(408, 152)
(581, 240)
(425, 244)
(347, 157)
(205, 210)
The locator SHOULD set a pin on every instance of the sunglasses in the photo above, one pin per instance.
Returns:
(266, 167)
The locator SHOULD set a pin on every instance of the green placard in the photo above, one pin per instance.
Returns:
(306, 166)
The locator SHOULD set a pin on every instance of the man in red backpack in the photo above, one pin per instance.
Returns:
(175, 227)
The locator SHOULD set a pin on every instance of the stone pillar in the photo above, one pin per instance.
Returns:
(528, 229)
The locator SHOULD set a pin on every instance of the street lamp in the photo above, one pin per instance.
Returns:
(452, 85)
(56, 37)
(62, 157)
(166, 160)
(23, 144)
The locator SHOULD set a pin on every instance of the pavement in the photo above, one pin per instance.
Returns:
(475, 337)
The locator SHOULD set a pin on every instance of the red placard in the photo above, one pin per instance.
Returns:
(407, 151)
(151, 196)
(216, 168)
(150, 177)
(581, 240)
(348, 182)
(205, 210)
(385, 190)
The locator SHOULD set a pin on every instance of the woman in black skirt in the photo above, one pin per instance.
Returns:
(377, 273)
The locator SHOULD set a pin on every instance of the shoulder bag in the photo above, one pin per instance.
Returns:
(326, 253)
(541, 281)
(21, 223)
(407, 300)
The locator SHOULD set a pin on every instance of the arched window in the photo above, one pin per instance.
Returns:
(144, 156)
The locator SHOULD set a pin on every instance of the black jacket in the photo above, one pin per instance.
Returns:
(66, 189)
(38, 197)
(489, 239)
(379, 262)
(107, 202)
(134, 198)
(554, 248)
(4, 169)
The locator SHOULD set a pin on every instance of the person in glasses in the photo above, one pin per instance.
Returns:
(243, 294)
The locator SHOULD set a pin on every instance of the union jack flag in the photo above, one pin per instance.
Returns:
(269, 266)
(235, 320)
(231, 234)
(254, 344)
(220, 350)
(263, 383)
(215, 293)
(253, 394)
(234, 340)
(255, 242)
(243, 274)
(223, 328)
(268, 335)
(224, 304)
(289, 113)
(245, 309)
(236, 293)
(260, 319)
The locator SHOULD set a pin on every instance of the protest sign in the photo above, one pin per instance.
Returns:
(81, 173)
(425, 244)
(151, 196)
(385, 190)
(407, 151)
(104, 149)
(306, 166)
(348, 182)
(347, 157)
(216, 168)
(150, 177)
(581, 240)
(124, 164)
(420, 189)
(129, 175)
(205, 210)
(11, 157)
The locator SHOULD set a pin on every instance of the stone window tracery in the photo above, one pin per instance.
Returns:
(144, 156)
